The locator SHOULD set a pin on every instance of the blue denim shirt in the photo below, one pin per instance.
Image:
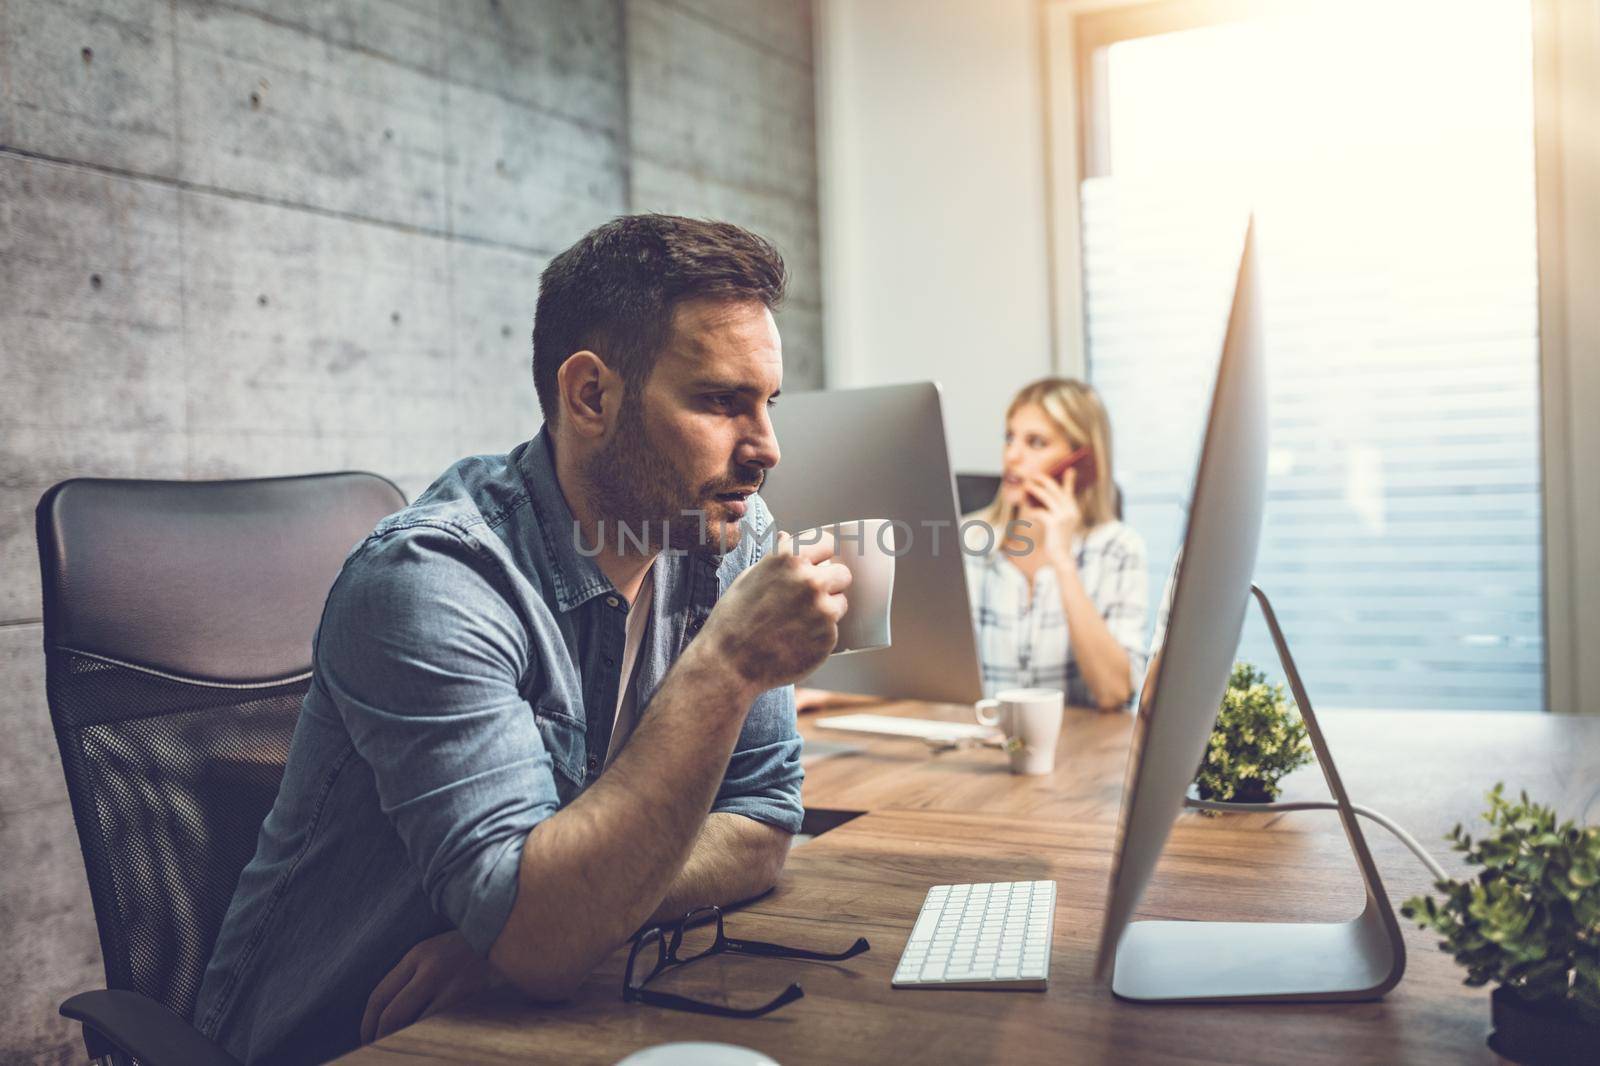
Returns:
(464, 687)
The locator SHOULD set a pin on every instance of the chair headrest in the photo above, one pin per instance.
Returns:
(221, 581)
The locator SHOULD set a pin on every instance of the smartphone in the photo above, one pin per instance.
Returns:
(1083, 460)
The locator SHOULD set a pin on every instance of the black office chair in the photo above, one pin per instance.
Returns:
(976, 491)
(178, 619)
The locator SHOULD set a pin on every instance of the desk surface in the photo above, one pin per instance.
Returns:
(960, 816)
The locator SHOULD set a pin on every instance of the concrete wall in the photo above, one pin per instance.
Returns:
(755, 162)
(931, 139)
(265, 238)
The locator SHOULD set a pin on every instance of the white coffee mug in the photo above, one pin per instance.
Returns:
(866, 547)
(1030, 718)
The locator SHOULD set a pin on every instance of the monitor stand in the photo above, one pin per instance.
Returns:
(1363, 958)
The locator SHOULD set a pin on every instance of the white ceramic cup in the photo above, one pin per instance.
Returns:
(865, 546)
(1030, 718)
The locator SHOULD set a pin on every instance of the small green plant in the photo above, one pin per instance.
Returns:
(1258, 740)
(1530, 922)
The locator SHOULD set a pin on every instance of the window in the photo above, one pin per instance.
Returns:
(1387, 150)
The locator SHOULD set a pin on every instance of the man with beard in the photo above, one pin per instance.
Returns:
(543, 711)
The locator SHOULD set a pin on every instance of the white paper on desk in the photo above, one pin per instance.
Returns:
(888, 725)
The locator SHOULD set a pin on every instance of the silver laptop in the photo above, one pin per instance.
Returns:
(880, 453)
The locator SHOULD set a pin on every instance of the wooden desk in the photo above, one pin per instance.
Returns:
(960, 816)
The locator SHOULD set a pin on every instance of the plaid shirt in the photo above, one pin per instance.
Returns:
(1024, 641)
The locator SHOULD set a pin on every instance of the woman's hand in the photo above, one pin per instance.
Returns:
(1060, 516)
(438, 972)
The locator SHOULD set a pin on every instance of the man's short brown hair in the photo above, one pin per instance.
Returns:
(614, 292)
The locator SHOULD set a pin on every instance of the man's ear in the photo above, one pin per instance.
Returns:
(590, 394)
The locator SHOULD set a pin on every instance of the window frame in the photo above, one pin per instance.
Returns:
(1566, 59)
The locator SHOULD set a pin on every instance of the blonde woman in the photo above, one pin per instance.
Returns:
(1058, 583)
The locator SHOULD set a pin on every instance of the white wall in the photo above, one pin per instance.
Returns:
(931, 160)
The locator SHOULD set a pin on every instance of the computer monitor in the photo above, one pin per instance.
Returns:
(880, 453)
(1188, 674)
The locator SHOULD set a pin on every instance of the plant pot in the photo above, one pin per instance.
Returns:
(1539, 1034)
(1251, 791)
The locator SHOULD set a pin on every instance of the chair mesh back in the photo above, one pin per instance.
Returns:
(170, 781)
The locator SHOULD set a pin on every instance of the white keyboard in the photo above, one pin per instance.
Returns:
(981, 936)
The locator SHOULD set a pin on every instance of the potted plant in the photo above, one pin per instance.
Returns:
(1257, 741)
(1530, 923)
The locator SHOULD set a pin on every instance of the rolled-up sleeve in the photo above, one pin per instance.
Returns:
(423, 654)
(764, 776)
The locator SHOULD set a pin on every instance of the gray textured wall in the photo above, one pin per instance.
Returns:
(255, 238)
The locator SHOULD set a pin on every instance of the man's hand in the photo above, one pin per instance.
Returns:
(780, 618)
(438, 972)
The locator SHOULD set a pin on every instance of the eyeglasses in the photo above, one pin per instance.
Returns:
(690, 939)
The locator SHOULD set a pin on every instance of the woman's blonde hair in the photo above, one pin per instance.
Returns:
(1077, 412)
